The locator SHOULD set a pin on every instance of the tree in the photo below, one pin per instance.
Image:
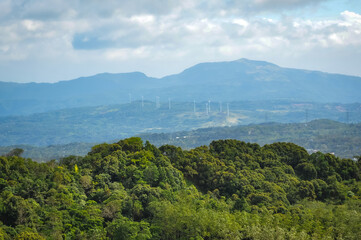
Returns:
(123, 228)
(26, 235)
(15, 152)
(306, 171)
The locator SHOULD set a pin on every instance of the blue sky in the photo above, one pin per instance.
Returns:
(53, 40)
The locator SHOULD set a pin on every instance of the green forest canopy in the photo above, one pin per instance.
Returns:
(227, 190)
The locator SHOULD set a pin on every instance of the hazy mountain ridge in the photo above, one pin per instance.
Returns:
(219, 81)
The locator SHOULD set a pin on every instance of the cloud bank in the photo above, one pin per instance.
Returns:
(53, 40)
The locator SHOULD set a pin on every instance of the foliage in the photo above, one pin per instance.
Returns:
(227, 190)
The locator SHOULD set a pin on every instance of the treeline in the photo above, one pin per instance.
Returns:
(227, 190)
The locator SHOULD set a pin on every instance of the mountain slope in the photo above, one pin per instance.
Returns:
(256, 80)
(219, 81)
(101, 89)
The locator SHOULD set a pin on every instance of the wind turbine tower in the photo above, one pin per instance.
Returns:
(265, 116)
(228, 110)
(347, 116)
(157, 103)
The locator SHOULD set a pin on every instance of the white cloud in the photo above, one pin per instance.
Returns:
(240, 22)
(31, 25)
(351, 17)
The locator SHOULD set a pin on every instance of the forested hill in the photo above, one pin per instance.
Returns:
(342, 139)
(242, 79)
(227, 190)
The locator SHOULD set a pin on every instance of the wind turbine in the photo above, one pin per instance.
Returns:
(228, 110)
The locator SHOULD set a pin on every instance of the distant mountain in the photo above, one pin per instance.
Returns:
(257, 80)
(219, 81)
(101, 89)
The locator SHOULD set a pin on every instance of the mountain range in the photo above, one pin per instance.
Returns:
(238, 80)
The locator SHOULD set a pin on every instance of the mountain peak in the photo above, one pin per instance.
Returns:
(224, 69)
(255, 62)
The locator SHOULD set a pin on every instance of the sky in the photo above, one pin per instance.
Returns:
(53, 40)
